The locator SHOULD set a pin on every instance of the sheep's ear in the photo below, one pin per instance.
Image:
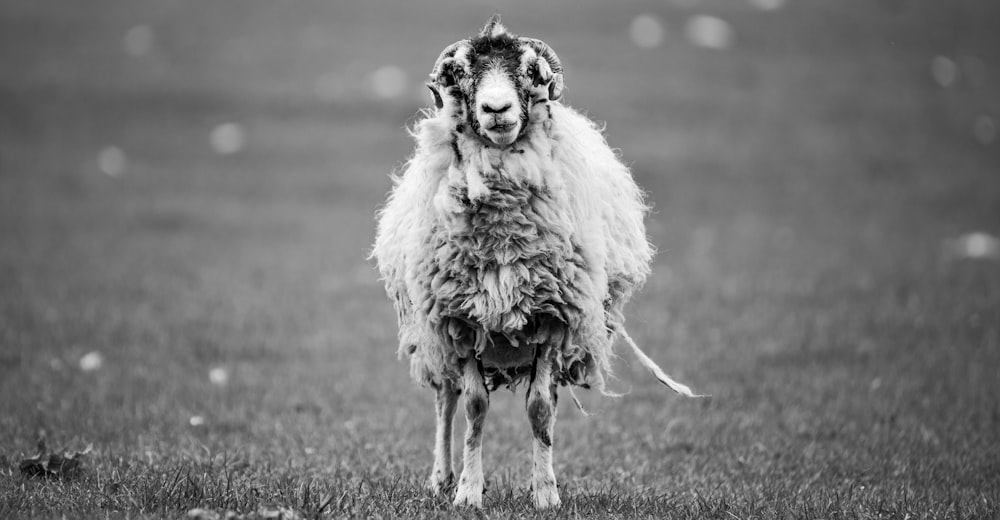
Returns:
(543, 75)
(556, 87)
(546, 53)
(438, 102)
(450, 72)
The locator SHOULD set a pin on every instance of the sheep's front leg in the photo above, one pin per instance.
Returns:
(445, 402)
(541, 405)
(477, 403)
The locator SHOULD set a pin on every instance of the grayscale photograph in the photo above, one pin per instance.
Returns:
(678, 259)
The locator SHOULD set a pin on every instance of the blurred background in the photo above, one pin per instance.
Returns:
(187, 200)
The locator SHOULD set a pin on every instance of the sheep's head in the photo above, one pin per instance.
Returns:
(495, 79)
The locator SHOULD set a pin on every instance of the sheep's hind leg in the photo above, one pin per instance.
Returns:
(541, 406)
(445, 402)
(477, 403)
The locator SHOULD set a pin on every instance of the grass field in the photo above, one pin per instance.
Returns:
(807, 181)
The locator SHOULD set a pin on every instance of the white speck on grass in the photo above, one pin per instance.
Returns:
(196, 420)
(709, 32)
(944, 70)
(228, 138)
(111, 161)
(280, 513)
(646, 31)
(91, 361)
(389, 82)
(218, 376)
(985, 129)
(768, 5)
(928, 435)
(203, 514)
(138, 40)
(976, 245)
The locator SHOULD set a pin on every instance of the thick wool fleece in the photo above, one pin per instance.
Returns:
(538, 245)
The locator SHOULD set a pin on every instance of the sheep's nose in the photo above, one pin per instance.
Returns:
(495, 109)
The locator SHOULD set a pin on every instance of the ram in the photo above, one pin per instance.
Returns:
(509, 243)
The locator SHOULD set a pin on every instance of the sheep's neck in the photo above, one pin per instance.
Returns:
(521, 161)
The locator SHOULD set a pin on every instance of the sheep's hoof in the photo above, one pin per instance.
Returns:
(545, 497)
(469, 496)
(439, 483)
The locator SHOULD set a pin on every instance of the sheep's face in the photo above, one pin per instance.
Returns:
(494, 79)
(497, 103)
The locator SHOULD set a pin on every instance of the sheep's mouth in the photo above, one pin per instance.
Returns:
(501, 134)
(501, 128)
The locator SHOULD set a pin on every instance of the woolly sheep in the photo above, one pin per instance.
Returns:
(509, 244)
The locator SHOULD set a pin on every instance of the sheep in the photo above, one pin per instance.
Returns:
(509, 244)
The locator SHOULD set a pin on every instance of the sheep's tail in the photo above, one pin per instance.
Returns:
(655, 369)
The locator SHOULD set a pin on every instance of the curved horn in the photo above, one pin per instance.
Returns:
(546, 52)
(543, 50)
(448, 52)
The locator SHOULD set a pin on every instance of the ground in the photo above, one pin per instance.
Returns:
(809, 181)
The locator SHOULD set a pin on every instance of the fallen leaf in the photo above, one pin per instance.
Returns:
(46, 464)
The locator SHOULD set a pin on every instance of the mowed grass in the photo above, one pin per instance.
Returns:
(805, 182)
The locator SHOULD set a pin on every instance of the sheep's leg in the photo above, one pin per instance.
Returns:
(477, 403)
(445, 402)
(541, 405)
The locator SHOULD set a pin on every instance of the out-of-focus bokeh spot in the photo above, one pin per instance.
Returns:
(389, 82)
(646, 31)
(112, 161)
(218, 376)
(977, 245)
(709, 32)
(228, 138)
(985, 129)
(768, 5)
(139, 40)
(944, 70)
(91, 361)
